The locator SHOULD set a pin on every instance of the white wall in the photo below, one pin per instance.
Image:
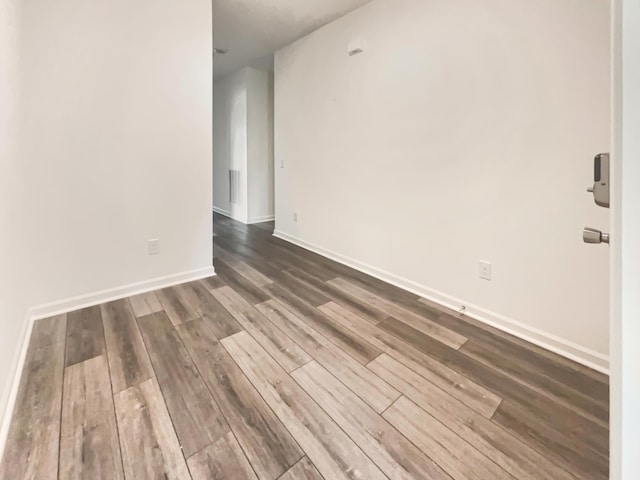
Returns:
(243, 140)
(260, 145)
(115, 149)
(230, 142)
(465, 132)
(14, 300)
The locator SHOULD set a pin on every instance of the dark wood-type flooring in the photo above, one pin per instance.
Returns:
(290, 366)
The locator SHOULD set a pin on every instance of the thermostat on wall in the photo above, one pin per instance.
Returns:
(355, 47)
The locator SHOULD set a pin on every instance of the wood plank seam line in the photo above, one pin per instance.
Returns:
(113, 403)
(254, 420)
(346, 369)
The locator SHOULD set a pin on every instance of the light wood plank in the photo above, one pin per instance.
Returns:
(128, 359)
(452, 453)
(289, 355)
(85, 335)
(48, 331)
(471, 394)
(333, 453)
(504, 449)
(372, 389)
(244, 269)
(269, 447)
(393, 453)
(31, 449)
(223, 460)
(240, 284)
(344, 338)
(150, 447)
(360, 308)
(303, 470)
(426, 326)
(177, 308)
(206, 306)
(195, 415)
(145, 304)
(212, 282)
(89, 446)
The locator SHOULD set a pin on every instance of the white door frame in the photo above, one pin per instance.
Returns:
(625, 265)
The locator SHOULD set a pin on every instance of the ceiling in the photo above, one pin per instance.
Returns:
(252, 30)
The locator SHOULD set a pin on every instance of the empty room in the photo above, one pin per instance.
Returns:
(320, 239)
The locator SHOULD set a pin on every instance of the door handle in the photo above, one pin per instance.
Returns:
(591, 235)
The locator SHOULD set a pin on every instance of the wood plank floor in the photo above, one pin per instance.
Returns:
(290, 366)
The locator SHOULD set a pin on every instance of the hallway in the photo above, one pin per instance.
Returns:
(289, 365)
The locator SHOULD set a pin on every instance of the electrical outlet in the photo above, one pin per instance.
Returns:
(153, 247)
(295, 217)
(484, 270)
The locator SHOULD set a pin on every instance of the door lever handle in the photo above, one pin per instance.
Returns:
(591, 235)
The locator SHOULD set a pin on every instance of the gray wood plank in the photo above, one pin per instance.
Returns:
(454, 455)
(582, 460)
(582, 431)
(284, 350)
(269, 447)
(195, 415)
(244, 269)
(303, 470)
(539, 381)
(426, 326)
(177, 308)
(333, 453)
(394, 454)
(31, 449)
(239, 283)
(361, 308)
(128, 359)
(89, 446)
(48, 331)
(85, 335)
(508, 452)
(150, 447)
(595, 381)
(212, 282)
(145, 304)
(209, 308)
(344, 338)
(302, 289)
(471, 394)
(372, 389)
(223, 460)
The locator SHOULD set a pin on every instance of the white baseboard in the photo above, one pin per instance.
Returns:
(226, 213)
(231, 216)
(76, 303)
(17, 366)
(266, 218)
(566, 348)
(96, 298)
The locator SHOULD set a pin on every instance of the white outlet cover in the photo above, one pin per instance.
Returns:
(484, 270)
(153, 247)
